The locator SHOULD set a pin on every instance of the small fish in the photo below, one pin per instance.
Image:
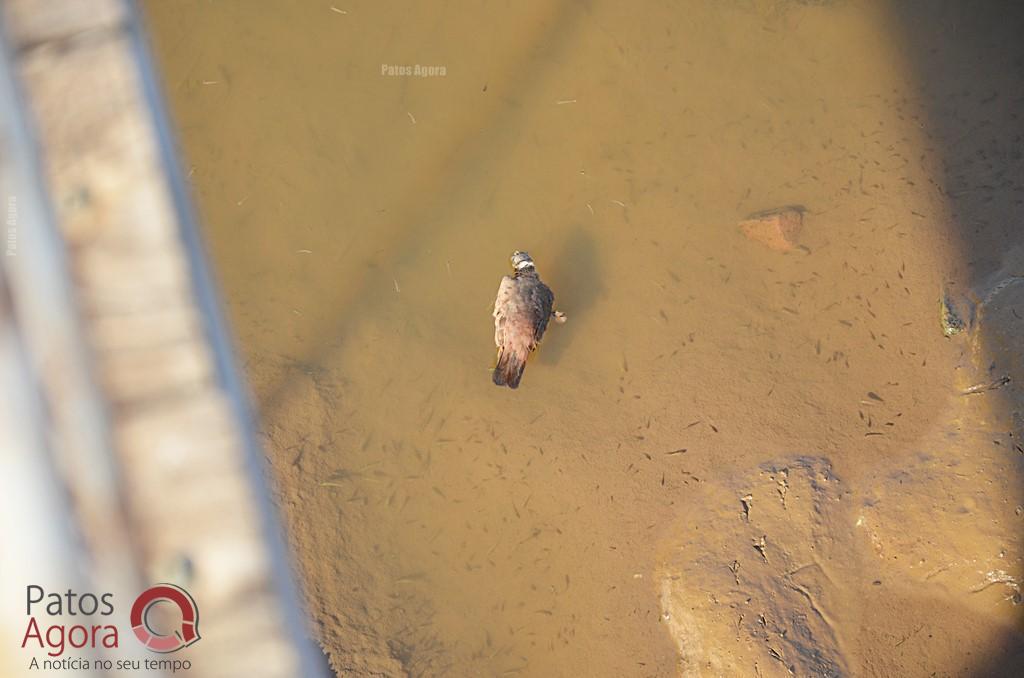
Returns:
(522, 309)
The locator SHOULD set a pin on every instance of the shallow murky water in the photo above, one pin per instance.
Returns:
(594, 522)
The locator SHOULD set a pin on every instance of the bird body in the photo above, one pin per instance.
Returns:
(521, 312)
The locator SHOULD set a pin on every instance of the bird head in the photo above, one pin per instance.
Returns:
(521, 260)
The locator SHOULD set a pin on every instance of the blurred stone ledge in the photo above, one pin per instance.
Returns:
(128, 382)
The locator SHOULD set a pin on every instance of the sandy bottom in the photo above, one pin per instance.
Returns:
(730, 461)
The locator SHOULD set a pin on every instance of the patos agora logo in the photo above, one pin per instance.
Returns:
(48, 631)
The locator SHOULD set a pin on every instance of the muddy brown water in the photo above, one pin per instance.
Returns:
(729, 461)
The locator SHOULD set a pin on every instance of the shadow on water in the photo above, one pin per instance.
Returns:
(968, 60)
(575, 277)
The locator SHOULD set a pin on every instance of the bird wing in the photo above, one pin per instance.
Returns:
(501, 302)
(542, 301)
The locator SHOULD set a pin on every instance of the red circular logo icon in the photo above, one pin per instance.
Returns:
(183, 636)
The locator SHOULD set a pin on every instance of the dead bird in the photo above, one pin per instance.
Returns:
(521, 313)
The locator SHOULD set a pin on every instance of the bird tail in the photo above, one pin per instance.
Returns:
(509, 369)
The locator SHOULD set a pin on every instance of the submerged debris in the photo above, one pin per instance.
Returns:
(747, 501)
(761, 546)
(952, 321)
(777, 228)
(991, 386)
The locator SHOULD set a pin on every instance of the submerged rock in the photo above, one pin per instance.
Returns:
(951, 318)
(777, 228)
